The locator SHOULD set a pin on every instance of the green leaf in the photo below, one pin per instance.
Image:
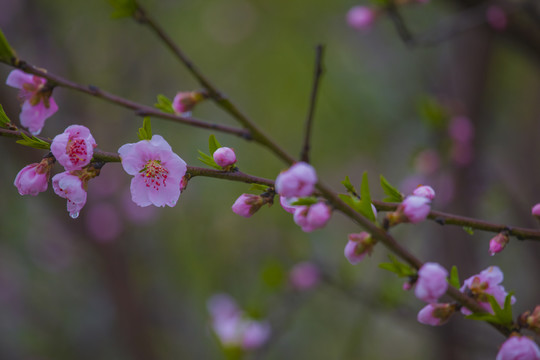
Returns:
(273, 274)
(164, 104)
(352, 201)
(123, 8)
(393, 194)
(350, 188)
(469, 230)
(454, 277)
(208, 160)
(500, 316)
(365, 202)
(213, 144)
(33, 142)
(432, 112)
(6, 52)
(305, 201)
(4, 120)
(258, 187)
(145, 133)
(397, 267)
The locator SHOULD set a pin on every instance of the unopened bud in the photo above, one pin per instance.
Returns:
(498, 243)
(359, 245)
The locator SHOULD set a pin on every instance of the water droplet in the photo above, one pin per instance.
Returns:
(74, 215)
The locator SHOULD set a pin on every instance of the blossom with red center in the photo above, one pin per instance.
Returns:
(37, 102)
(157, 171)
(483, 284)
(34, 178)
(74, 148)
(297, 181)
(70, 186)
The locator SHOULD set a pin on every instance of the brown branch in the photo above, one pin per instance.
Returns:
(139, 109)
(319, 52)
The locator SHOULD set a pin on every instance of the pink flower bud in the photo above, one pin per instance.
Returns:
(518, 347)
(436, 314)
(361, 17)
(70, 187)
(536, 211)
(184, 102)
(34, 178)
(358, 246)
(431, 283)
(496, 17)
(313, 217)
(304, 276)
(425, 191)
(498, 243)
(297, 181)
(247, 204)
(224, 157)
(286, 204)
(415, 208)
(38, 104)
(530, 321)
(73, 148)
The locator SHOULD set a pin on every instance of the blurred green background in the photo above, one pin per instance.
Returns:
(67, 291)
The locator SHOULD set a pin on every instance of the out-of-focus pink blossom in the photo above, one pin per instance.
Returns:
(415, 208)
(297, 181)
(255, 334)
(103, 222)
(70, 187)
(304, 276)
(461, 129)
(425, 191)
(156, 169)
(536, 210)
(431, 283)
(286, 204)
(34, 178)
(313, 217)
(37, 102)
(496, 17)
(224, 157)
(361, 17)
(483, 284)
(427, 161)
(74, 148)
(184, 102)
(518, 347)
(247, 204)
(498, 243)
(462, 153)
(358, 246)
(436, 314)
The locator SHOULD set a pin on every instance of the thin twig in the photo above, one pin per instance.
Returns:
(319, 52)
(140, 110)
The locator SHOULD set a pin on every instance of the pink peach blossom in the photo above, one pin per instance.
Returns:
(431, 283)
(436, 314)
(518, 347)
(297, 181)
(498, 243)
(358, 246)
(224, 157)
(286, 204)
(74, 148)
(70, 187)
(37, 102)
(304, 276)
(415, 208)
(247, 205)
(312, 217)
(34, 178)
(157, 171)
(361, 17)
(425, 191)
(185, 101)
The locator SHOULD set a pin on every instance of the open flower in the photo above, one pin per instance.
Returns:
(37, 102)
(74, 148)
(70, 187)
(157, 171)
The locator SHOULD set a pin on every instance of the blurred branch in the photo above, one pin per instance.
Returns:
(140, 110)
(319, 51)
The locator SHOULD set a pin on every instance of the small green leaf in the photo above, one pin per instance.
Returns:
(350, 188)
(499, 316)
(397, 267)
(365, 202)
(393, 194)
(164, 104)
(258, 187)
(4, 120)
(208, 160)
(352, 201)
(469, 230)
(213, 144)
(123, 8)
(6, 52)
(454, 277)
(305, 201)
(145, 133)
(33, 142)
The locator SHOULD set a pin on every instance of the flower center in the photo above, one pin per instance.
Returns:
(76, 150)
(154, 174)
